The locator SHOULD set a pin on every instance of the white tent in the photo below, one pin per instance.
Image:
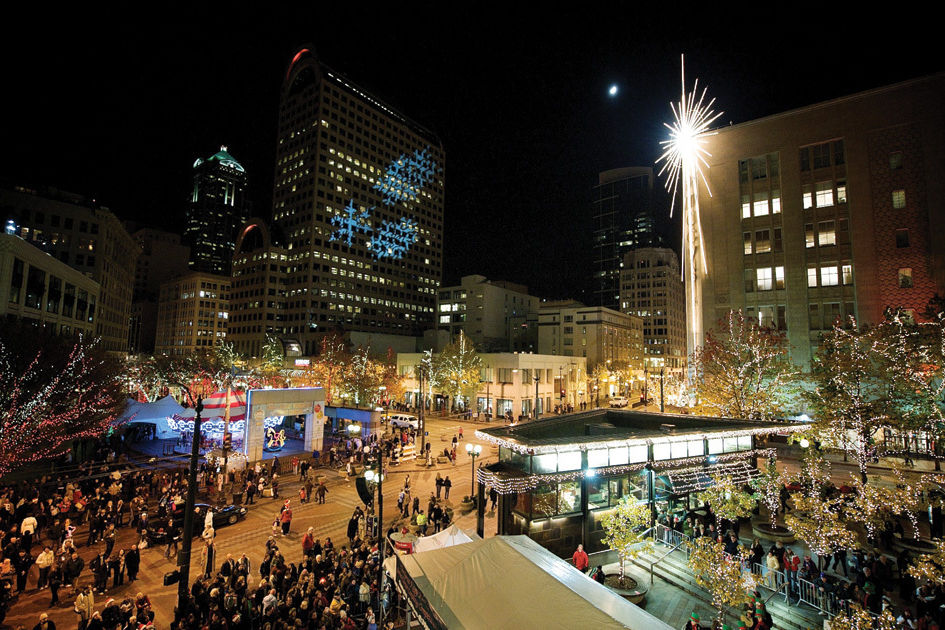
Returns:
(155, 413)
(510, 582)
(450, 536)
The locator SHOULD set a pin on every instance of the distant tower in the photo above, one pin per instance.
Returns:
(218, 209)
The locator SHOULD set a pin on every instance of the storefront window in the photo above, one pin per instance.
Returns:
(569, 497)
(520, 461)
(715, 446)
(523, 504)
(679, 450)
(598, 493)
(696, 448)
(597, 458)
(744, 442)
(544, 501)
(547, 463)
(730, 444)
(569, 461)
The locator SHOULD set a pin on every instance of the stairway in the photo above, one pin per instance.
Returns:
(673, 569)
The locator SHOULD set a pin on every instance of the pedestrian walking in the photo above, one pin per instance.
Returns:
(447, 484)
(286, 518)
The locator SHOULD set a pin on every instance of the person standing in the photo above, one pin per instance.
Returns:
(250, 492)
(23, 561)
(581, 561)
(99, 568)
(439, 485)
(84, 607)
(132, 562)
(45, 623)
(208, 553)
(55, 581)
(447, 484)
(320, 492)
(286, 519)
(44, 562)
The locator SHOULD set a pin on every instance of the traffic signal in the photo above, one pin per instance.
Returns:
(227, 441)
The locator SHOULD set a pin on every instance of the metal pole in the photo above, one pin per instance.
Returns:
(661, 391)
(422, 422)
(472, 487)
(381, 535)
(646, 389)
(183, 584)
(536, 397)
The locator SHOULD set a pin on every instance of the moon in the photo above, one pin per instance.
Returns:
(612, 91)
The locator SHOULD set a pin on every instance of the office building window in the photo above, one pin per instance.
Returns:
(764, 279)
(813, 316)
(838, 155)
(805, 159)
(847, 272)
(809, 234)
(826, 233)
(905, 278)
(777, 244)
(812, 276)
(832, 315)
(779, 277)
(902, 238)
(895, 160)
(824, 194)
(899, 199)
(761, 204)
(749, 280)
(775, 202)
(829, 276)
(763, 241)
(782, 321)
(746, 237)
(808, 195)
(841, 192)
(821, 155)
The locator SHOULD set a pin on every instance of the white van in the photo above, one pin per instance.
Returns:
(619, 401)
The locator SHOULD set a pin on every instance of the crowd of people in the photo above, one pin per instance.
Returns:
(876, 579)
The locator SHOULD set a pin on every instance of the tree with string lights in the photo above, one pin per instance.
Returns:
(624, 528)
(53, 391)
(768, 485)
(455, 372)
(819, 521)
(722, 574)
(930, 567)
(858, 618)
(727, 501)
(743, 370)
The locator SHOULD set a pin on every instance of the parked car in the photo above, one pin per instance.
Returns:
(222, 516)
(402, 421)
(619, 401)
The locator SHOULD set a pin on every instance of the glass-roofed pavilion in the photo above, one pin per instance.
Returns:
(557, 477)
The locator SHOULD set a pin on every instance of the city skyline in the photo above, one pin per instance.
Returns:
(524, 113)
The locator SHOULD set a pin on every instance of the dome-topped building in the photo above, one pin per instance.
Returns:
(218, 208)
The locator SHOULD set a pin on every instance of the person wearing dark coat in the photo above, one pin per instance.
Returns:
(132, 562)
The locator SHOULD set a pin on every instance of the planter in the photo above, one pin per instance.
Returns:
(914, 545)
(635, 595)
(766, 532)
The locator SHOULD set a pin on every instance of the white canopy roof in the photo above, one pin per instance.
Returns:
(513, 582)
(155, 413)
(450, 536)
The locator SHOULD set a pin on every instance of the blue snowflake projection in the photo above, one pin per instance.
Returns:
(393, 239)
(349, 224)
(405, 176)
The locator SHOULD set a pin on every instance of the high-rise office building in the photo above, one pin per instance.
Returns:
(497, 316)
(828, 211)
(258, 291)
(651, 287)
(358, 194)
(193, 311)
(218, 209)
(162, 257)
(624, 218)
(88, 238)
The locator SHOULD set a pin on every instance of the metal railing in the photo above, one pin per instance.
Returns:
(672, 539)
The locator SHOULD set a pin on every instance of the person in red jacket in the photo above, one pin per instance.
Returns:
(286, 519)
(581, 561)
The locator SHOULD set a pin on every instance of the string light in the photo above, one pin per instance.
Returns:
(722, 574)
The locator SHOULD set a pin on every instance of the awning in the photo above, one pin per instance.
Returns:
(698, 478)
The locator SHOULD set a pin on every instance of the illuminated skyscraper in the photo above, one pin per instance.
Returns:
(218, 209)
(358, 194)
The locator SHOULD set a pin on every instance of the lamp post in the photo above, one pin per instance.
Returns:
(473, 450)
(370, 475)
(662, 408)
(536, 396)
(183, 583)
(646, 382)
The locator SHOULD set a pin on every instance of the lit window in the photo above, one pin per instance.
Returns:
(826, 233)
(905, 278)
(824, 194)
(761, 204)
(847, 271)
(747, 238)
(829, 276)
(812, 276)
(809, 234)
(899, 199)
(764, 282)
(779, 277)
(746, 206)
(776, 202)
(763, 241)
(841, 192)
(808, 196)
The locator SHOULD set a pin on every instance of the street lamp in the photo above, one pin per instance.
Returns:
(536, 396)
(473, 450)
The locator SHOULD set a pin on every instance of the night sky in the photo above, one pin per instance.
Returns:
(120, 110)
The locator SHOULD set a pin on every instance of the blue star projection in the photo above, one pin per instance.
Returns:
(349, 224)
(392, 240)
(403, 180)
(405, 176)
